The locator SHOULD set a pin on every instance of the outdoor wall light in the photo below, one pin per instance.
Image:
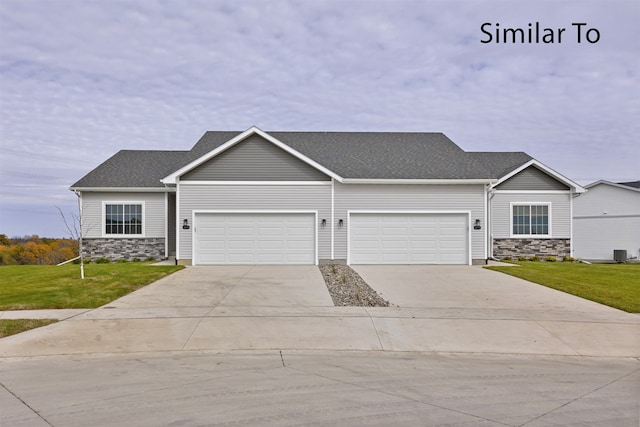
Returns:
(185, 224)
(340, 223)
(324, 222)
(477, 225)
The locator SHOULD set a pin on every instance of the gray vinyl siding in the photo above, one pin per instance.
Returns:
(411, 198)
(154, 211)
(254, 198)
(560, 212)
(255, 159)
(606, 218)
(532, 178)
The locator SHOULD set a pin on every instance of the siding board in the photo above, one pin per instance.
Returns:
(154, 211)
(256, 198)
(255, 159)
(409, 197)
(560, 212)
(532, 178)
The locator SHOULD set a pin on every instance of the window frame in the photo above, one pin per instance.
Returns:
(122, 203)
(512, 205)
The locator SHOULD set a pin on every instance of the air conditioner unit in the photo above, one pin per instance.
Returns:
(619, 255)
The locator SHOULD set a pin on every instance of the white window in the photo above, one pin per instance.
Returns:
(123, 219)
(530, 219)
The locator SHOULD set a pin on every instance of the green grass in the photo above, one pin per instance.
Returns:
(15, 326)
(615, 285)
(27, 287)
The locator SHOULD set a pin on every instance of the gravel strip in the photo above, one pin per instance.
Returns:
(347, 288)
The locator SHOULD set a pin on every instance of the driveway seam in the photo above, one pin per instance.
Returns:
(582, 396)
(26, 404)
(374, 328)
(213, 308)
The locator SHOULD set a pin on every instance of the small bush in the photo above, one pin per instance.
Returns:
(122, 260)
(534, 258)
(550, 259)
(568, 259)
(507, 258)
(103, 260)
(136, 260)
(522, 258)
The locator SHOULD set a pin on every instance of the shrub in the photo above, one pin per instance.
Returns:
(103, 260)
(568, 259)
(534, 258)
(122, 260)
(550, 259)
(136, 260)
(507, 258)
(522, 258)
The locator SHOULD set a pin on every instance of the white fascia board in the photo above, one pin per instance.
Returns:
(124, 189)
(274, 183)
(613, 184)
(417, 181)
(171, 179)
(577, 188)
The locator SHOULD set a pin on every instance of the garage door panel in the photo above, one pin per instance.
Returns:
(255, 238)
(388, 238)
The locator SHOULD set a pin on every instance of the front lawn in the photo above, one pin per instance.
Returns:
(15, 326)
(30, 287)
(615, 285)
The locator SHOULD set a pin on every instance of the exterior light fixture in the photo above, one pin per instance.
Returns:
(340, 223)
(185, 224)
(477, 225)
(324, 222)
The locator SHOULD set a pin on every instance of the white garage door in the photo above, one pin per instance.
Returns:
(386, 238)
(254, 238)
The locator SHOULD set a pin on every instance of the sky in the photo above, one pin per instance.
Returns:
(81, 80)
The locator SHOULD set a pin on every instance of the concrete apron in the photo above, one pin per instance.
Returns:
(289, 308)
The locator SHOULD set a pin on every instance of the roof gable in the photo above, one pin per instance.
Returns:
(573, 186)
(171, 179)
(254, 159)
(621, 185)
(532, 178)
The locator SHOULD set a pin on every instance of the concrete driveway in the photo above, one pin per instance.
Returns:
(467, 347)
(437, 309)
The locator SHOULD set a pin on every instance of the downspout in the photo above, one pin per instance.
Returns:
(490, 193)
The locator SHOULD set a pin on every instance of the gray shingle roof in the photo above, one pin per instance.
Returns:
(357, 155)
(134, 168)
(632, 184)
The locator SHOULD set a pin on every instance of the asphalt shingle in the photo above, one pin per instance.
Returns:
(356, 155)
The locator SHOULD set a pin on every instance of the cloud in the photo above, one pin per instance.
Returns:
(81, 80)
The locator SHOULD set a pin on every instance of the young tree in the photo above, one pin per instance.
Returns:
(74, 228)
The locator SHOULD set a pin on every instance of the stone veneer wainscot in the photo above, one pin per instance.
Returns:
(526, 247)
(127, 248)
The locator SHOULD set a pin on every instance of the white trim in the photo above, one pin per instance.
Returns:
(613, 184)
(549, 235)
(571, 226)
(178, 221)
(166, 225)
(255, 183)
(411, 212)
(533, 162)
(333, 218)
(171, 179)
(486, 220)
(124, 189)
(417, 181)
(532, 191)
(103, 222)
(250, 211)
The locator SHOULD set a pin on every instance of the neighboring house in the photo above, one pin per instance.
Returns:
(258, 197)
(607, 218)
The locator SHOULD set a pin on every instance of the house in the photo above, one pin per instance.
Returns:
(607, 218)
(258, 197)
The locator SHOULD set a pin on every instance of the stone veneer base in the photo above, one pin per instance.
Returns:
(127, 248)
(558, 248)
